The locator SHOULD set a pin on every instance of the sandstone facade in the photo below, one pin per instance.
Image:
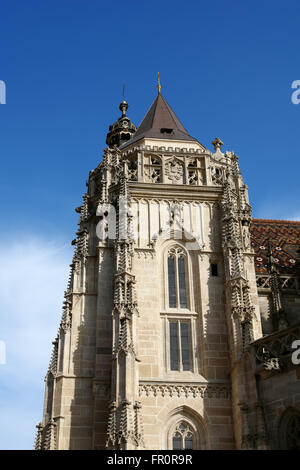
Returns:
(161, 341)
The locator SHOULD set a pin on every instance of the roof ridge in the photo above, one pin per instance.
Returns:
(154, 102)
(146, 114)
(173, 116)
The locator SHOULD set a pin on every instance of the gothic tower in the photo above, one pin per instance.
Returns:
(161, 304)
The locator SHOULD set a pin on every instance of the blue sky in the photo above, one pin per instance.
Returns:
(226, 69)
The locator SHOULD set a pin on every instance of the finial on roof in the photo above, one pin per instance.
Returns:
(123, 107)
(158, 83)
(217, 143)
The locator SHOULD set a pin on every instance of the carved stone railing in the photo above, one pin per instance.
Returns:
(289, 282)
(273, 352)
(263, 281)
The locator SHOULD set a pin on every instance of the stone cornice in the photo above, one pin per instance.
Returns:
(185, 389)
(182, 147)
(177, 192)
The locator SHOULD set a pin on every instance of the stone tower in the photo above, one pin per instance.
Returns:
(161, 304)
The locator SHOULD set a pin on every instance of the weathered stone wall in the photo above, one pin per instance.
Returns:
(164, 391)
(279, 391)
(111, 363)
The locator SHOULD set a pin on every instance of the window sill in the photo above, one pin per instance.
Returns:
(178, 312)
(184, 376)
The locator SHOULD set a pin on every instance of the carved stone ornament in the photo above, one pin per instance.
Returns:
(174, 170)
(184, 390)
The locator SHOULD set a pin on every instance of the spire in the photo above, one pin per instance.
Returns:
(158, 83)
(160, 122)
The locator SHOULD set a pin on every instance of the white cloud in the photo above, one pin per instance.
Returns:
(33, 278)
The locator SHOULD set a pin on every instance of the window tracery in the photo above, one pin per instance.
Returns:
(194, 172)
(132, 170)
(217, 175)
(183, 437)
(153, 169)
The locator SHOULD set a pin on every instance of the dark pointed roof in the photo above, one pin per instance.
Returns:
(160, 122)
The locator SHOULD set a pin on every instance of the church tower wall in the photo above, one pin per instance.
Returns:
(162, 305)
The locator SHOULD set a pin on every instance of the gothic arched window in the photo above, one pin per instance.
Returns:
(289, 431)
(183, 437)
(177, 285)
(184, 430)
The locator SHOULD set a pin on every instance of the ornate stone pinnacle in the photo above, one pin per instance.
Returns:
(217, 143)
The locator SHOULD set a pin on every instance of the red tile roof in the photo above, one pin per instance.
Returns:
(282, 238)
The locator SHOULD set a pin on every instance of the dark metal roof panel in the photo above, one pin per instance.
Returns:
(160, 122)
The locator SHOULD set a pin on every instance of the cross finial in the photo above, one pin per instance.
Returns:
(123, 94)
(158, 83)
(217, 143)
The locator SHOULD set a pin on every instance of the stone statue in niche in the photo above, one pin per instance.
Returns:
(174, 170)
(246, 237)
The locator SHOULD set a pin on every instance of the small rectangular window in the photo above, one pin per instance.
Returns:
(166, 130)
(214, 269)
